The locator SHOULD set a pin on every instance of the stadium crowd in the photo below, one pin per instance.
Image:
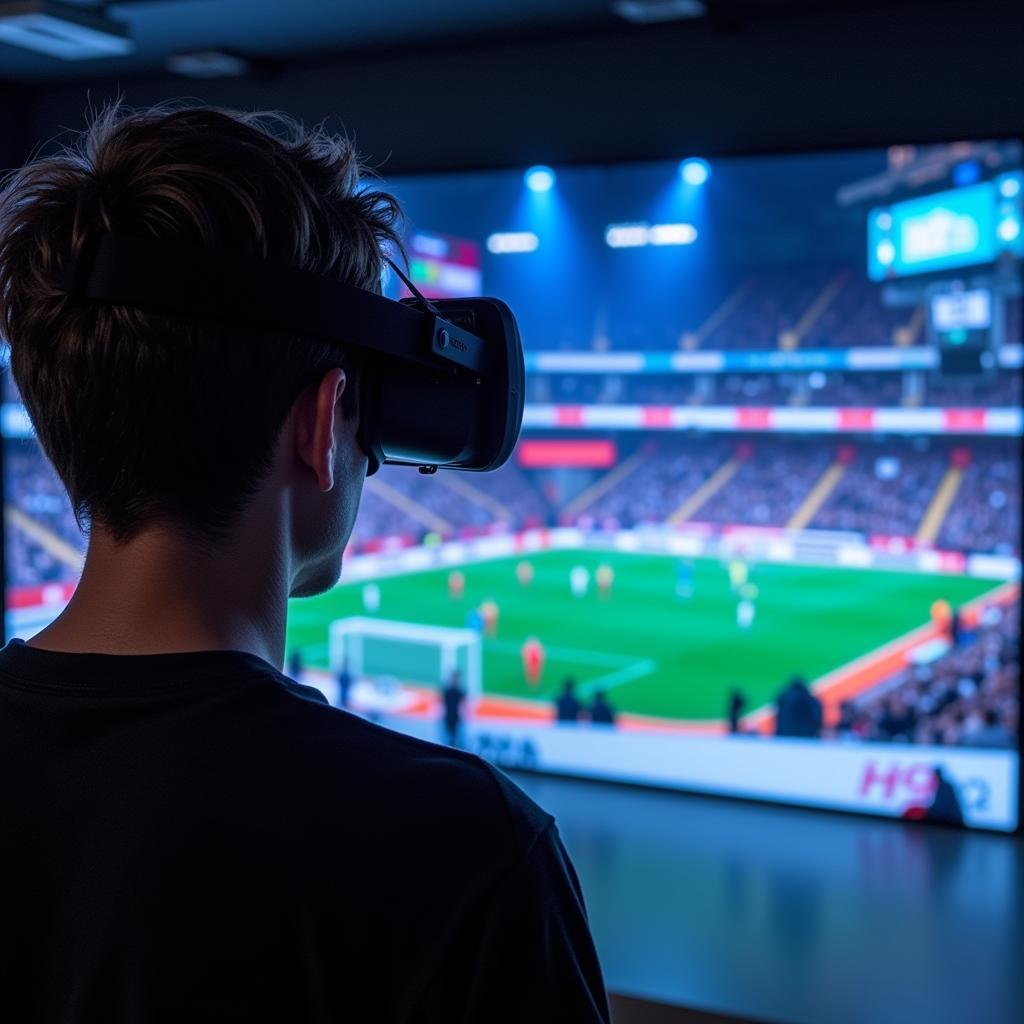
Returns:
(771, 304)
(42, 498)
(399, 502)
(968, 697)
(985, 515)
(886, 488)
(827, 307)
(857, 318)
(663, 480)
(771, 483)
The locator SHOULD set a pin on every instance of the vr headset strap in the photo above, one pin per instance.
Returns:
(207, 284)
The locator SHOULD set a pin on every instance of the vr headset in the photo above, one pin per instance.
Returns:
(441, 382)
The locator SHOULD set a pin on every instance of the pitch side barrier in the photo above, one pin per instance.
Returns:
(695, 540)
(892, 779)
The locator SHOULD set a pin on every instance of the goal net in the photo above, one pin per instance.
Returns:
(378, 650)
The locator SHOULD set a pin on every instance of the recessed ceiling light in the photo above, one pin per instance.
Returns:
(647, 12)
(207, 64)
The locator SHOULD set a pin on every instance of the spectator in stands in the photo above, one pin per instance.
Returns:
(992, 733)
(344, 680)
(967, 697)
(898, 721)
(945, 805)
(737, 704)
(453, 696)
(567, 707)
(798, 711)
(601, 712)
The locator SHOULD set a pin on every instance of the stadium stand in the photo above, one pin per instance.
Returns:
(771, 483)
(774, 303)
(986, 508)
(1003, 389)
(656, 489)
(857, 317)
(885, 490)
(399, 503)
(806, 307)
(967, 697)
(48, 552)
(886, 487)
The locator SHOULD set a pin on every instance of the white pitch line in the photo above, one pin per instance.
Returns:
(624, 675)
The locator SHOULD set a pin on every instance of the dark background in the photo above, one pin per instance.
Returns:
(753, 77)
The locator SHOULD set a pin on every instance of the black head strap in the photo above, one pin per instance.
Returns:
(208, 284)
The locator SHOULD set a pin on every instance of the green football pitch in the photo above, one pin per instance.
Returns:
(654, 652)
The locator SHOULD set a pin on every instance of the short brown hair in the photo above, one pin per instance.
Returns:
(145, 416)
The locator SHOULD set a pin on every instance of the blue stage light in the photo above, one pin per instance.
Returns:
(540, 179)
(695, 171)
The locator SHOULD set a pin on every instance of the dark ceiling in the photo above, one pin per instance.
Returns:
(288, 31)
(452, 84)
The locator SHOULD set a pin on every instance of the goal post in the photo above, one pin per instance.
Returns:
(407, 651)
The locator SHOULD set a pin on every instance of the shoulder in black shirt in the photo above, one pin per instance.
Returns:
(195, 837)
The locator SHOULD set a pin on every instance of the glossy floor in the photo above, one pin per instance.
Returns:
(784, 915)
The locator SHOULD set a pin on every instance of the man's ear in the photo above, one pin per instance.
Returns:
(316, 414)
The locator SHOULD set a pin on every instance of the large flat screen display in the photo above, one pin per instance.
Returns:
(761, 536)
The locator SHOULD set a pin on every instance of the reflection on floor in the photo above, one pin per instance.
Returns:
(782, 915)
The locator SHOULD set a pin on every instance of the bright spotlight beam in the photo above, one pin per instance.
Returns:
(695, 171)
(540, 179)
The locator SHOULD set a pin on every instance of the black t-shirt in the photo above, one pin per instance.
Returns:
(193, 837)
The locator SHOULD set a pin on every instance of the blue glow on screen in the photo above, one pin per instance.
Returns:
(957, 228)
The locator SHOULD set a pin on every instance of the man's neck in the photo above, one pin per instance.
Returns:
(163, 593)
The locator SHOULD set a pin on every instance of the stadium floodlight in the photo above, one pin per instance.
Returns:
(540, 179)
(626, 236)
(60, 30)
(1009, 229)
(672, 234)
(695, 171)
(501, 243)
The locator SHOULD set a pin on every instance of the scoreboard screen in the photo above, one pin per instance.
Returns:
(957, 312)
(957, 228)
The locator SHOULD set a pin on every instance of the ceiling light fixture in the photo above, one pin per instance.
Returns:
(60, 30)
(208, 64)
(649, 12)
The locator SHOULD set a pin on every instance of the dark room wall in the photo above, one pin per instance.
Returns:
(927, 73)
(15, 131)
